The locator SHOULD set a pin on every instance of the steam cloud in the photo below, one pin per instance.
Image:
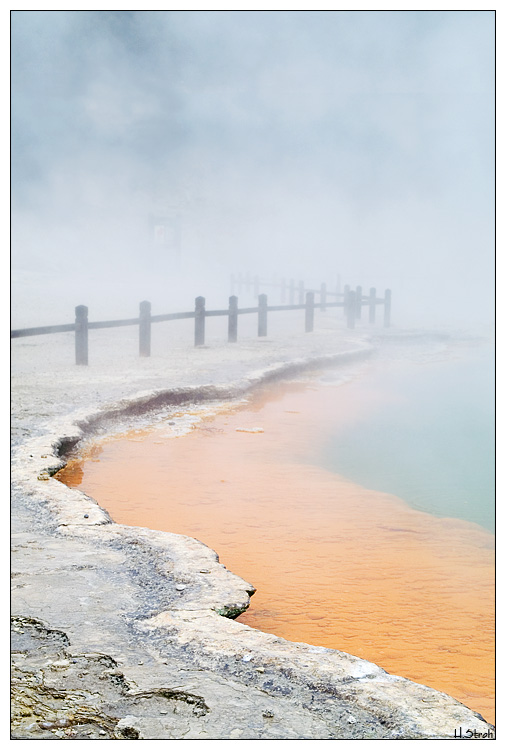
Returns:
(302, 143)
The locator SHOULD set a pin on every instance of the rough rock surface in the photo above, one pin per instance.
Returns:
(125, 633)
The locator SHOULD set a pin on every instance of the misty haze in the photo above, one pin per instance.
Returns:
(307, 144)
(252, 374)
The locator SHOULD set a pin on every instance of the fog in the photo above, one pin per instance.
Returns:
(154, 153)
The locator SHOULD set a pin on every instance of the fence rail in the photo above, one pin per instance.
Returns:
(352, 302)
(255, 283)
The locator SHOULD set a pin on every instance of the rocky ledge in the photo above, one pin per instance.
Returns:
(128, 633)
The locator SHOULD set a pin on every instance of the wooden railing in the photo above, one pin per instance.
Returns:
(352, 302)
(287, 288)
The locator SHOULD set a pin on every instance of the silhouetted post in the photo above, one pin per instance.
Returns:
(358, 301)
(372, 305)
(301, 292)
(283, 290)
(346, 300)
(232, 320)
(291, 295)
(351, 309)
(323, 296)
(309, 311)
(256, 286)
(388, 307)
(81, 335)
(262, 315)
(200, 321)
(145, 329)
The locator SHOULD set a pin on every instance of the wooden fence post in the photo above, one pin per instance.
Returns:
(145, 329)
(351, 310)
(200, 321)
(232, 319)
(81, 335)
(291, 296)
(323, 297)
(346, 294)
(358, 301)
(372, 305)
(309, 311)
(301, 292)
(388, 307)
(262, 315)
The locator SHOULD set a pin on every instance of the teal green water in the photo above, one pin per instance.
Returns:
(428, 437)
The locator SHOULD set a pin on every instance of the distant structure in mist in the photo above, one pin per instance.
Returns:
(165, 227)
